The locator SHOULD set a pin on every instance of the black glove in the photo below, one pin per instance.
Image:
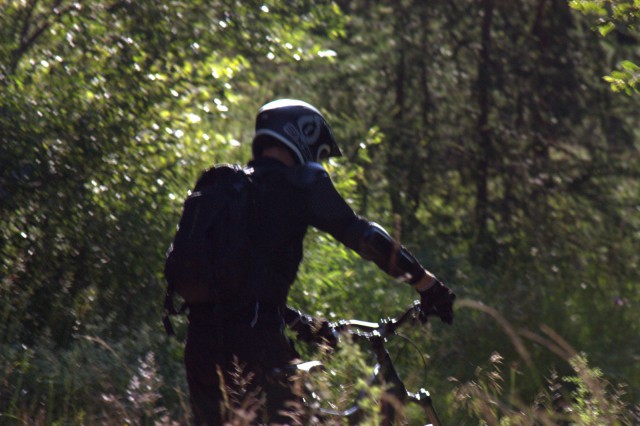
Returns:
(438, 301)
(326, 333)
(310, 329)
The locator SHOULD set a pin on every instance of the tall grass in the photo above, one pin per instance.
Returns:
(141, 382)
(91, 383)
(583, 397)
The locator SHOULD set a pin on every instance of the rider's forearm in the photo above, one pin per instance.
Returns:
(375, 244)
(331, 214)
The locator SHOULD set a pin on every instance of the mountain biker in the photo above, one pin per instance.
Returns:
(244, 337)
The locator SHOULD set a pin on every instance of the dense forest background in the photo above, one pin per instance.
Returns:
(498, 139)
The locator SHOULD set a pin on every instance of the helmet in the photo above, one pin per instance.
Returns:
(297, 125)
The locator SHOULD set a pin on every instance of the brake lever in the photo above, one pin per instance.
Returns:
(421, 314)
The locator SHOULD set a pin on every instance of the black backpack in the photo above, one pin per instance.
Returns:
(207, 260)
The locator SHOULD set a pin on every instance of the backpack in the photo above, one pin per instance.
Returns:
(207, 259)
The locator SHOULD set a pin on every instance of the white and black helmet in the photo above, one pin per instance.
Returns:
(297, 125)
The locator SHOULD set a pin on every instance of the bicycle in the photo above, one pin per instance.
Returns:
(375, 336)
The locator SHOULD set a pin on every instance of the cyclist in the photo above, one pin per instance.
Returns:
(244, 337)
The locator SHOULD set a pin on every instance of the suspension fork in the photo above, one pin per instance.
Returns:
(396, 391)
(423, 399)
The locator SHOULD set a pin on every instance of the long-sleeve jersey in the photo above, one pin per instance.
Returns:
(287, 200)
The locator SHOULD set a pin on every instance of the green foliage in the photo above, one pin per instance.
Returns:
(625, 79)
(108, 115)
(480, 133)
(619, 17)
(93, 381)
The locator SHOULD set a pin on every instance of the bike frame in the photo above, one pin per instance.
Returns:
(375, 335)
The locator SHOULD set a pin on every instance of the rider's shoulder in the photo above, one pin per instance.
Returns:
(307, 175)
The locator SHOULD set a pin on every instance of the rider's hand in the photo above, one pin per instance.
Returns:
(437, 300)
(310, 329)
(327, 334)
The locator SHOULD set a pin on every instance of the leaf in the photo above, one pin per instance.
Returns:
(628, 65)
(606, 28)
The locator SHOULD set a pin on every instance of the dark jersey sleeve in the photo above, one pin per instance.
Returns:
(329, 212)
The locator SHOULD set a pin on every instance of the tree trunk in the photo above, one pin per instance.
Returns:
(484, 253)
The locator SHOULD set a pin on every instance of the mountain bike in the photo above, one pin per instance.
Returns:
(374, 337)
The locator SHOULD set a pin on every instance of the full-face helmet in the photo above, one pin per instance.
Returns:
(297, 125)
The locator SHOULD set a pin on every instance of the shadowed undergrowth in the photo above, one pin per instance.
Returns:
(100, 383)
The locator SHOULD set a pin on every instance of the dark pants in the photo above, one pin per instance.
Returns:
(229, 356)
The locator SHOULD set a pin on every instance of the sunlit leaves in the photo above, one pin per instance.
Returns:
(621, 11)
(622, 16)
(110, 110)
(626, 79)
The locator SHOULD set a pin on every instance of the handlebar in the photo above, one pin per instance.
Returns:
(376, 334)
(383, 328)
